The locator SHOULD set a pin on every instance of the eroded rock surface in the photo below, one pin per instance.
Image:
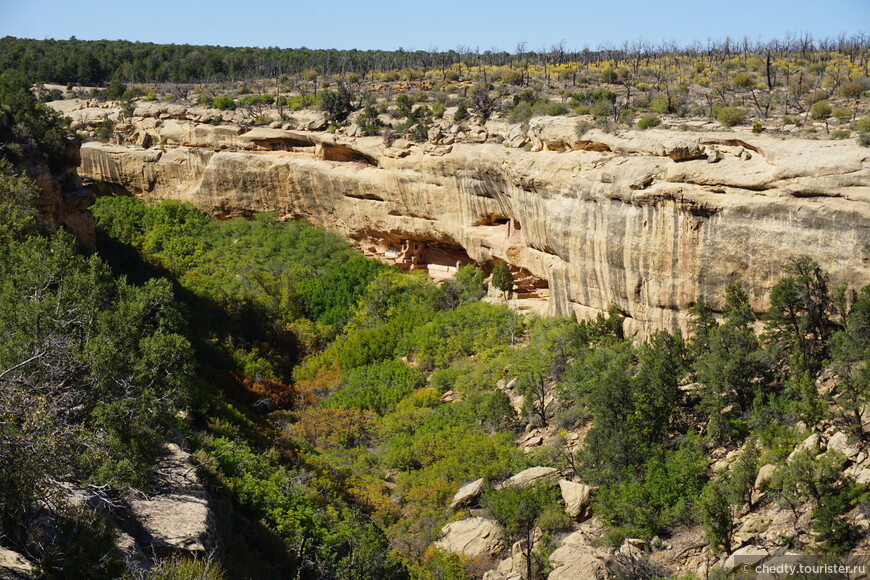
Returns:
(14, 566)
(640, 219)
(178, 517)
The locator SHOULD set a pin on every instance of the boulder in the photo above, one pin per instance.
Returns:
(572, 562)
(467, 494)
(812, 442)
(318, 123)
(471, 537)
(178, 517)
(745, 556)
(14, 566)
(684, 151)
(531, 476)
(577, 499)
(839, 441)
(765, 472)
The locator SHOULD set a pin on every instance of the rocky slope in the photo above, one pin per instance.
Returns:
(648, 220)
(62, 200)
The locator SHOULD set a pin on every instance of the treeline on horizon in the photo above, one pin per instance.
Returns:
(97, 62)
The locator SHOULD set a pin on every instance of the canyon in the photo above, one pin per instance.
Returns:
(646, 220)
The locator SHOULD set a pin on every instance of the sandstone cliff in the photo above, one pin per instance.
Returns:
(648, 220)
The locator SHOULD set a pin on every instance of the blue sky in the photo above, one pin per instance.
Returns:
(442, 24)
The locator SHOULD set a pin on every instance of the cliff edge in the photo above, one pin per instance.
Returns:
(647, 220)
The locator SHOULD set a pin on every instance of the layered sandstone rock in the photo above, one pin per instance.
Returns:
(646, 220)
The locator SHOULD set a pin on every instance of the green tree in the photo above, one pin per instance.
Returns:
(466, 286)
(602, 379)
(502, 278)
(798, 322)
(717, 516)
(702, 325)
(534, 370)
(851, 353)
(730, 371)
(18, 215)
(337, 105)
(461, 112)
(656, 394)
(742, 475)
(655, 495)
(820, 481)
(368, 122)
(519, 511)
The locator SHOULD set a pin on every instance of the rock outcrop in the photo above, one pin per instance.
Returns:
(467, 494)
(646, 220)
(531, 476)
(14, 566)
(471, 537)
(572, 561)
(178, 518)
(578, 500)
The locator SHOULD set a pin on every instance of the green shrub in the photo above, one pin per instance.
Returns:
(106, 129)
(602, 109)
(461, 112)
(864, 138)
(853, 89)
(841, 134)
(862, 124)
(626, 117)
(731, 116)
(299, 102)
(438, 110)
(512, 77)
(757, 128)
(609, 75)
(663, 497)
(179, 568)
(224, 103)
(81, 545)
(843, 114)
(336, 104)
(648, 122)
(744, 81)
(820, 110)
(660, 104)
(376, 387)
(369, 123)
(717, 517)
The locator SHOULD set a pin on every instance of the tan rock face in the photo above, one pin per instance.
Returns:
(178, 519)
(467, 494)
(62, 200)
(532, 476)
(471, 537)
(577, 499)
(600, 218)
